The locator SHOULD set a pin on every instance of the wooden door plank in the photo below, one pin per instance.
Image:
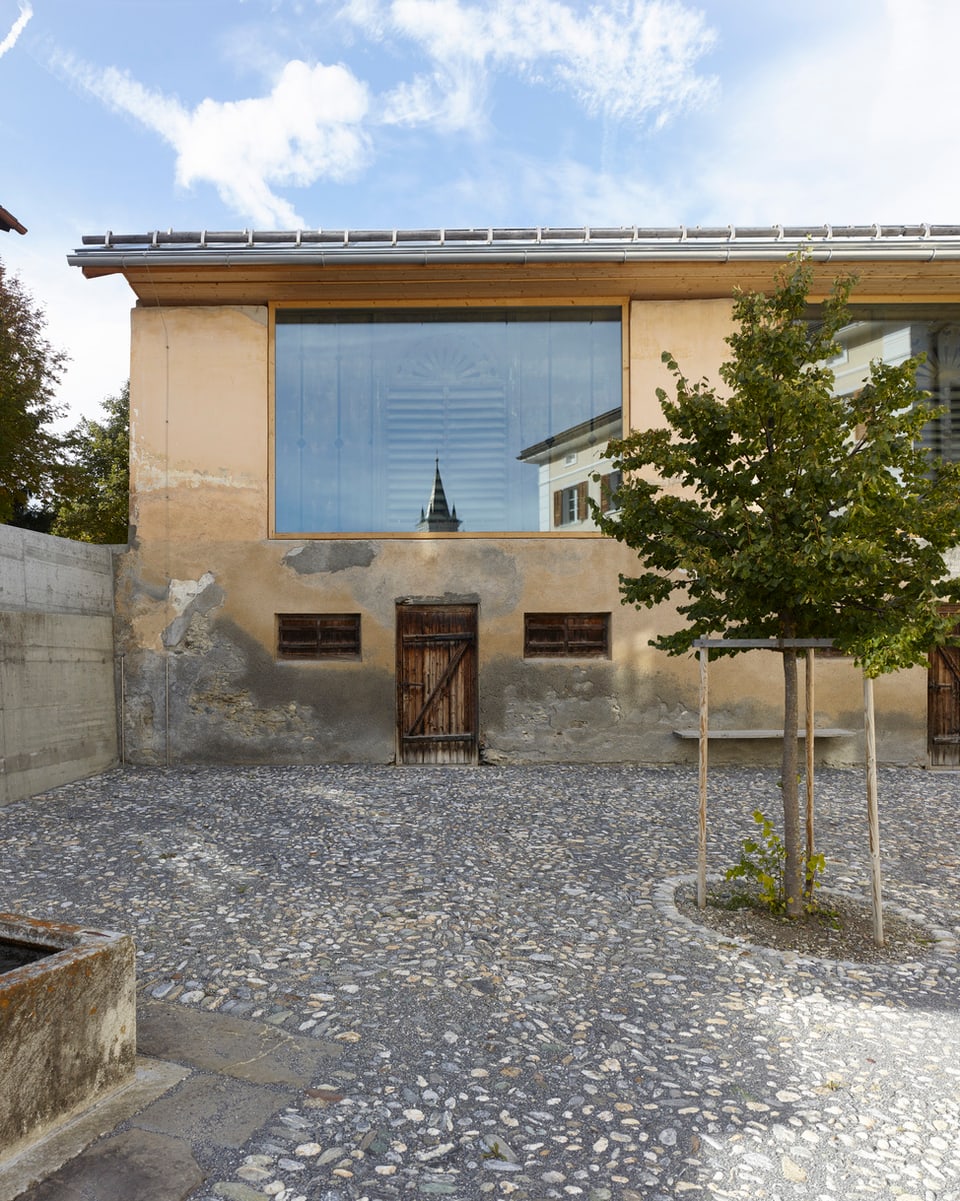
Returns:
(452, 665)
(436, 684)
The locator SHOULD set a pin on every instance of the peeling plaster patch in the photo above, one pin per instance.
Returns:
(319, 557)
(190, 597)
(181, 592)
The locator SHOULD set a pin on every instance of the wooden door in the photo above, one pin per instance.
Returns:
(943, 704)
(437, 683)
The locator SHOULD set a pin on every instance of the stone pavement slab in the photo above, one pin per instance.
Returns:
(132, 1166)
(212, 1111)
(215, 1042)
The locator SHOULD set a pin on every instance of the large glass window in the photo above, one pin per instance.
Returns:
(372, 405)
(891, 335)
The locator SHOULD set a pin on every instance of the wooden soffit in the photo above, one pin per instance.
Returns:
(878, 282)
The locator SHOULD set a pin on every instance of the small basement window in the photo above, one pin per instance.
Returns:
(318, 635)
(580, 635)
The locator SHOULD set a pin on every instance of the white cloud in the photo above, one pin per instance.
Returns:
(307, 128)
(857, 123)
(447, 100)
(848, 120)
(623, 59)
(627, 61)
(8, 43)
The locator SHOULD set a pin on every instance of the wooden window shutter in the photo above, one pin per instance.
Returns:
(582, 500)
(558, 507)
(573, 635)
(609, 490)
(318, 635)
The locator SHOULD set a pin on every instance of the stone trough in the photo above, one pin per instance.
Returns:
(67, 1023)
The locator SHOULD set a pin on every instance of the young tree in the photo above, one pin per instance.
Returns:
(782, 511)
(31, 454)
(96, 505)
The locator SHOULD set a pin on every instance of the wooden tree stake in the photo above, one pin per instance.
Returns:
(809, 683)
(873, 817)
(704, 654)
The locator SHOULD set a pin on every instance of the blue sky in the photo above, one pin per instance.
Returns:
(134, 115)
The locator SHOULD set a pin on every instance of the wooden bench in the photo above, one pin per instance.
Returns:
(731, 735)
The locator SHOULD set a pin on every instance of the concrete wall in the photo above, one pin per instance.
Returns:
(200, 588)
(57, 696)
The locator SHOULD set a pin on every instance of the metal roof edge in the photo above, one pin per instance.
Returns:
(841, 252)
(517, 246)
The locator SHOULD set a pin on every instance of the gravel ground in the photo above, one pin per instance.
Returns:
(524, 1013)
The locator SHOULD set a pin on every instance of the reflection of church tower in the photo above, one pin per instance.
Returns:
(438, 518)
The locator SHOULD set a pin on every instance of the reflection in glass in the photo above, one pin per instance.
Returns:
(367, 401)
(891, 338)
(567, 462)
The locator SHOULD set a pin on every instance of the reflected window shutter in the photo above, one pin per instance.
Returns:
(558, 507)
(582, 500)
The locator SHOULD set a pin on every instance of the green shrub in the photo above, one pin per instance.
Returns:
(763, 860)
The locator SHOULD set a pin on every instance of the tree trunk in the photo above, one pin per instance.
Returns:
(793, 869)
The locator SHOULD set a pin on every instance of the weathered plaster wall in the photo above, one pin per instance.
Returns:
(199, 591)
(198, 424)
(203, 682)
(693, 331)
(58, 719)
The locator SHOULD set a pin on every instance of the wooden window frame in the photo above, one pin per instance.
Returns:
(566, 635)
(307, 637)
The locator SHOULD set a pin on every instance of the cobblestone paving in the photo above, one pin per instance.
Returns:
(523, 1013)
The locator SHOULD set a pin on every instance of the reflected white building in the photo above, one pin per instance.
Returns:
(567, 463)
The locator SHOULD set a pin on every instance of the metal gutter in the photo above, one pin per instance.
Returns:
(125, 260)
(320, 248)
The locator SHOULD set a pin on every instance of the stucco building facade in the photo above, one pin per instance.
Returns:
(293, 397)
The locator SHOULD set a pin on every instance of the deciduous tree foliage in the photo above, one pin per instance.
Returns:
(97, 505)
(31, 454)
(781, 511)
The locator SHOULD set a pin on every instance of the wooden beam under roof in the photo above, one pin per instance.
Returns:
(933, 281)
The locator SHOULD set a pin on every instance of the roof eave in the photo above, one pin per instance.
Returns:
(107, 260)
(8, 222)
(107, 253)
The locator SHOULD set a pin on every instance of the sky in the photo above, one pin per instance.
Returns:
(135, 115)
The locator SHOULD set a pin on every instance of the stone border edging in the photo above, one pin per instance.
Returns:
(944, 945)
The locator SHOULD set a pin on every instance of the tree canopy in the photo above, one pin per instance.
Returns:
(96, 505)
(780, 510)
(31, 454)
